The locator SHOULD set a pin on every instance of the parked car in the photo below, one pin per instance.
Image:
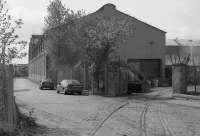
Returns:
(69, 87)
(134, 86)
(46, 84)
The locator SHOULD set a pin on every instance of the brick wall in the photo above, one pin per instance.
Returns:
(37, 68)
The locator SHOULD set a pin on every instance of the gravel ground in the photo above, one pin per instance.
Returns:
(154, 114)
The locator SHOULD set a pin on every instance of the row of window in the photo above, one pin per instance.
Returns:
(37, 67)
(36, 47)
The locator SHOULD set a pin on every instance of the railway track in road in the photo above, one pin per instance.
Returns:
(95, 129)
(167, 130)
(142, 118)
(143, 125)
(143, 121)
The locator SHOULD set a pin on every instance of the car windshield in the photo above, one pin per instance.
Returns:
(67, 82)
(46, 80)
(75, 82)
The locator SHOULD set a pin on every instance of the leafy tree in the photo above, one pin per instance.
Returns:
(77, 37)
(56, 14)
(60, 32)
(10, 46)
(62, 45)
(103, 37)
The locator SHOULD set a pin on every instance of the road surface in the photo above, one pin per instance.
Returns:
(153, 114)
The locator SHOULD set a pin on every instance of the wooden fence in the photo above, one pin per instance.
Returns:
(8, 117)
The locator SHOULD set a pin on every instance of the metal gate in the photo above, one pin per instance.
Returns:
(193, 79)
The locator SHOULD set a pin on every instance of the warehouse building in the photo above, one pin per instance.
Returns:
(144, 51)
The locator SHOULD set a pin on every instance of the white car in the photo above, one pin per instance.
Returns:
(69, 86)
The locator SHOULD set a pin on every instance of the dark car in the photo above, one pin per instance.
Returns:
(69, 86)
(46, 84)
(134, 86)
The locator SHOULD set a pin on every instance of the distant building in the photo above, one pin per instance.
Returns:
(183, 48)
(20, 70)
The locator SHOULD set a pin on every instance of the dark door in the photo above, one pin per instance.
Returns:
(151, 68)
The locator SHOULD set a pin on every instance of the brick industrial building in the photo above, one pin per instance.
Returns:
(37, 58)
(145, 50)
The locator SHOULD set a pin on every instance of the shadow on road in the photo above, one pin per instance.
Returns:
(21, 90)
(160, 95)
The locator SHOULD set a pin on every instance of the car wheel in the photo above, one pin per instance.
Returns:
(65, 93)
(58, 92)
(80, 93)
(41, 88)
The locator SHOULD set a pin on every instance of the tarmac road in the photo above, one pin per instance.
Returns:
(155, 114)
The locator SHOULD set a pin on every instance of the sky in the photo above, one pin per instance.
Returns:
(179, 18)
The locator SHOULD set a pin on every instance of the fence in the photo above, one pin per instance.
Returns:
(112, 78)
(193, 79)
(8, 117)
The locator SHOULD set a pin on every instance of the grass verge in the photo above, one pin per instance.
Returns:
(26, 126)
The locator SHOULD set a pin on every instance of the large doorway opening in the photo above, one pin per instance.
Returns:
(149, 68)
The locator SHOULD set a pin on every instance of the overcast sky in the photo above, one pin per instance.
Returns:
(179, 18)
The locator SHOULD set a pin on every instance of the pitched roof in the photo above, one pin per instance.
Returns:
(182, 42)
(171, 42)
(189, 42)
(113, 7)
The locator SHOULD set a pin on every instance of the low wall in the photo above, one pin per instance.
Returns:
(179, 81)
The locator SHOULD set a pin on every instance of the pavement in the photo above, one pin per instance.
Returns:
(158, 113)
(192, 97)
(175, 95)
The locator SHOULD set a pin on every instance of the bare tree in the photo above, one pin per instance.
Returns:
(178, 59)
